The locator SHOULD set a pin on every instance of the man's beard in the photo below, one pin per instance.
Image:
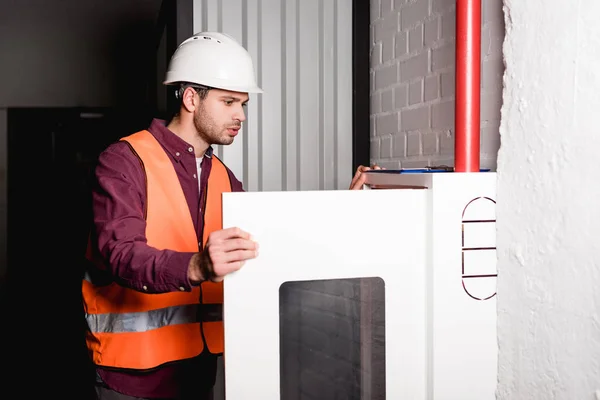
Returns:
(209, 131)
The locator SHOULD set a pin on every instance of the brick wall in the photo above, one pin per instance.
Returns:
(412, 82)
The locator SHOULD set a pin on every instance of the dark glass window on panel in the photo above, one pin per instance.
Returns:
(332, 339)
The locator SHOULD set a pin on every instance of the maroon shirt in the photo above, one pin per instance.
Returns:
(118, 203)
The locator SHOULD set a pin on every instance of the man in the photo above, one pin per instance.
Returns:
(157, 252)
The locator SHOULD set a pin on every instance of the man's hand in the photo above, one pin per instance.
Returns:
(225, 252)
(359, 177)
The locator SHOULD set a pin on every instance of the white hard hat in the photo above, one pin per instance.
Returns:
(213, 59)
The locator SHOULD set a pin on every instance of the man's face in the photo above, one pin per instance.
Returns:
(219, 117)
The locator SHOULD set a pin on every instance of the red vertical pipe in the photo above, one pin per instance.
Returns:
(468, 75)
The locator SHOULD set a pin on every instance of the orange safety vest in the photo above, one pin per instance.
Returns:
(132, 329)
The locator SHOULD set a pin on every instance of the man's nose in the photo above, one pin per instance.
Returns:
(240, 115)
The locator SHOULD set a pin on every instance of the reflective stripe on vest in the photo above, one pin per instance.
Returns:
(131, 329)
(154, 319)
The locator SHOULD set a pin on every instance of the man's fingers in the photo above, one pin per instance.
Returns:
(233, 261)
(229, 233)
(360, 169)
(232, 250)
(359, 179)
(235, 266)
(358, 174)
(355, 177)
(238, 244)
(239, 255)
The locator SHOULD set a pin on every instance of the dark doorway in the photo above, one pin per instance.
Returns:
(51, 153)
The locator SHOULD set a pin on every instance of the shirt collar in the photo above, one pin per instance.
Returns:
(173, 144)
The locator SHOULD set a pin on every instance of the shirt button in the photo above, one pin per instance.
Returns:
(145, 287)
(177, 154)
(195, 176)
(181, 288)
(190, 149)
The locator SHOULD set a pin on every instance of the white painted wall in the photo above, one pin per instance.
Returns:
(299, 132)
(547, 212)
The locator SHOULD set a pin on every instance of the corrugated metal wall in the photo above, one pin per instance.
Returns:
(298, 135)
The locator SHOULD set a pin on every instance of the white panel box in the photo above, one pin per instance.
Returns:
(432, 242)
(462, 280)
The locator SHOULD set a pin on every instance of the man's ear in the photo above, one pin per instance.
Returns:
(189, 100)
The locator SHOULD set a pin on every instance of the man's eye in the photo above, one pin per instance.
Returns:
(244, 105)
(228, 102)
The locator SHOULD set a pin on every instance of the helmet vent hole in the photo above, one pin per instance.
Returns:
(209, 38)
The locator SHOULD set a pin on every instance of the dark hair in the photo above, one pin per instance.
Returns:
(200, 89)
(178, 94)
